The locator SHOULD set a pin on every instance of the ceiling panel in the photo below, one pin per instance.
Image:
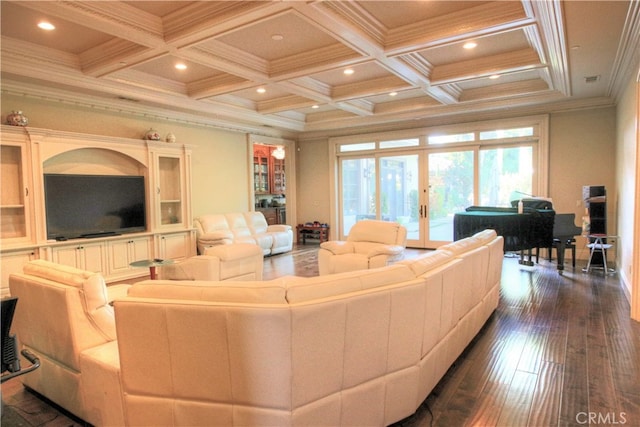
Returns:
(297, 51)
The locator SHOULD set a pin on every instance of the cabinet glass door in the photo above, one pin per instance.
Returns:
(261, 173)
(170, 190)
(279, 176)
(13, 193)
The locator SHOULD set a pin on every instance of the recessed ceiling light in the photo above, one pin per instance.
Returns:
(181, 66)
(315, 106)
(277, 37)
(393, 93)
(348, 71)
(261, 90)
(470, 45)
(44, 25)
(494, 76)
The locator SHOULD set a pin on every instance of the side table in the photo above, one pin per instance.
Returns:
(320, 232)
(152, 264)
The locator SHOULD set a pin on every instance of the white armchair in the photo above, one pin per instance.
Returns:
(370, 244)
(235, 261)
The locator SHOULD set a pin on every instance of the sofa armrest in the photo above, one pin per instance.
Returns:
(234, 251)
(390, 250)
(200, 267)
(278, 227)
(117, 291)
(338, 247)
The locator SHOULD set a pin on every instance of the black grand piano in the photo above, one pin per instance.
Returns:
(533, 228)
(537, 226)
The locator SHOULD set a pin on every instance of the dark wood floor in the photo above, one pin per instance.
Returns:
(558, 351)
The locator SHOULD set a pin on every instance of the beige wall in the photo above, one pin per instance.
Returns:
(628, 198)
(219, 165)
(312, 201)
(582, 152)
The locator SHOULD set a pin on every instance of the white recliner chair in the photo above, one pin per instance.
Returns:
(370, 244)
(234, 261)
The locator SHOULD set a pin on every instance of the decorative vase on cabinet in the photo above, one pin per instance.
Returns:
(16, 118)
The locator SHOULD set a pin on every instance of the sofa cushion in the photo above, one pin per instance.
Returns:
(256, 222)
(427, 262)
(211, 223)
(312, 288)
(240, 292)
(469, 243)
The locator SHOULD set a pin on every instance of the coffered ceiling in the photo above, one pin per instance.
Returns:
(278, 67)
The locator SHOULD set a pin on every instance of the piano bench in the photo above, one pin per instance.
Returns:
(569, 244)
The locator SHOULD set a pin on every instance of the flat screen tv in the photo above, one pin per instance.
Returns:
(93, 205)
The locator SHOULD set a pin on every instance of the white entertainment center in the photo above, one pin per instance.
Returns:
(29, 153)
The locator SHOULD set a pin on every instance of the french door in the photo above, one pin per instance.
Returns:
(422, 189)
(418, 189)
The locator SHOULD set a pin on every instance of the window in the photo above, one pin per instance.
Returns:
(506, 133)
(506, 174)
(414, 142)
(449, 139)
(421, 178)
(357, 147)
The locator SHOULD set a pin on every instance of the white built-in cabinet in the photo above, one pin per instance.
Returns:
(28, 153)
(88, 256)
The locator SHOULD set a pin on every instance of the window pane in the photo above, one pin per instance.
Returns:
(450, 190)
(358, 191)
(399, 192)
(506, 133)
(506, 174)
(357, 147)
(400, 143)
(448, 139)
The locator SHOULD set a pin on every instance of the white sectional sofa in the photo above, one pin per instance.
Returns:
(243, 227)
(354, 348)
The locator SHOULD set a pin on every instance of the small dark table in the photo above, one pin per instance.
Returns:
(320, 232)
(152, 264)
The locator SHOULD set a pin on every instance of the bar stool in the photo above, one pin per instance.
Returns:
(598, 245)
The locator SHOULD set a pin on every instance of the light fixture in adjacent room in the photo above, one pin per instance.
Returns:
(278, 153)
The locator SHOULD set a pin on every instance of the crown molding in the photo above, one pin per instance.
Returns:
(628, 55)
(134, 108)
